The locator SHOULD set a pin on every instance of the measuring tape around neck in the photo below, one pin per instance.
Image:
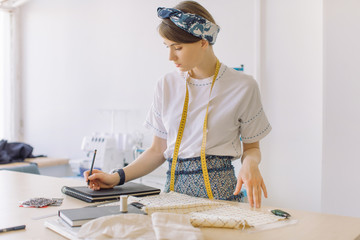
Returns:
(203, 144)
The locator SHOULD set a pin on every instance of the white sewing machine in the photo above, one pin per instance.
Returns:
(111, 150)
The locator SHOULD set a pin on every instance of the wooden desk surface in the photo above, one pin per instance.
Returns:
(15, 187)
(48, 161)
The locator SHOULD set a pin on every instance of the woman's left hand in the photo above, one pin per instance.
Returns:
(250, 176)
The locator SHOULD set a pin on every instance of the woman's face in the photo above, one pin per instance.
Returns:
(185, 56)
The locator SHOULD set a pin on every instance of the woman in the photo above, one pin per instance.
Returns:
(198, 115)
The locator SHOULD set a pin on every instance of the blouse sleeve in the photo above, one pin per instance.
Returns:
(154, 117)
(254, 124)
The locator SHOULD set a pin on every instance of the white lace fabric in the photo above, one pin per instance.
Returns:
(205, 212)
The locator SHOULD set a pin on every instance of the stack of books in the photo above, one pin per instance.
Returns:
(69, 221)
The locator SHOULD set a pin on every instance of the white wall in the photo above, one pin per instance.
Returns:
(79, 57)
(310, 83)
(291, 84)
(341, 161)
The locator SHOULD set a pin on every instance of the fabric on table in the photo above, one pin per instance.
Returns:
(174, 202)
(14, 152)
(174, 226)
(205, 212)
(159, 226)
(228, 216)
(123, 226)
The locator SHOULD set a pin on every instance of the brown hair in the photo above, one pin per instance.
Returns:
(169, 30)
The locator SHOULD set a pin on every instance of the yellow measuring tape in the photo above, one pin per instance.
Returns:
(203, 144)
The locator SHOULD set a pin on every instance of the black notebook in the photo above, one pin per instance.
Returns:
(86, 194)
(79, 216)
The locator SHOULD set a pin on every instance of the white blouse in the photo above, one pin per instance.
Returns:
(235, 110)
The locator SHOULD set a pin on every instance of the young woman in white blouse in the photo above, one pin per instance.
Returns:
(198, 115)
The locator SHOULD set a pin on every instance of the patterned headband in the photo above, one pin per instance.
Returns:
(192, 23)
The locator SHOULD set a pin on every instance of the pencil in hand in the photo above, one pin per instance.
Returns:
(92, 166)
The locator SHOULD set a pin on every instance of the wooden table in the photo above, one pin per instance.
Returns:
(16, 186)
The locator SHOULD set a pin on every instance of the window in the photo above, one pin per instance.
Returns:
(10, 101)
(9, 82)
(4, 41)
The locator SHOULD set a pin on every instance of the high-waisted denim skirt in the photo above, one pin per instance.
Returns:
(189, 177)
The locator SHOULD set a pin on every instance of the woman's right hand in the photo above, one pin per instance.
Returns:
(100, 179)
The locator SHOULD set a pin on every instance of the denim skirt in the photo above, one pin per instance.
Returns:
(189, 177)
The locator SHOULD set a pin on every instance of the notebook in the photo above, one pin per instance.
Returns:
(88, 195)
(59, 226)
(78, 216)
